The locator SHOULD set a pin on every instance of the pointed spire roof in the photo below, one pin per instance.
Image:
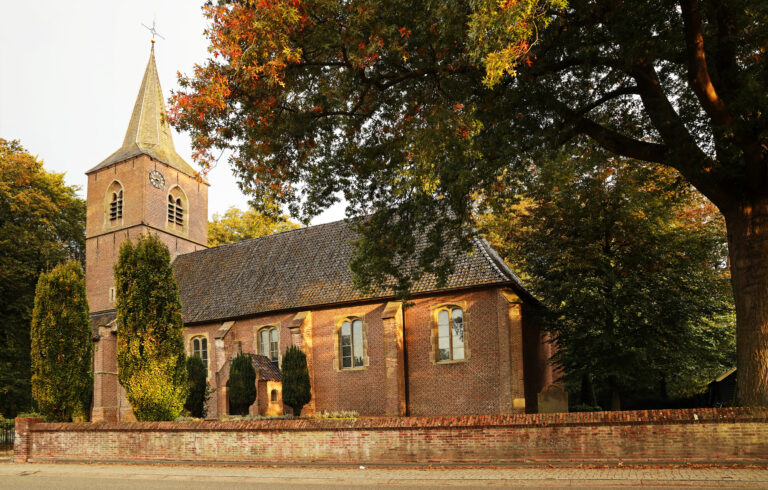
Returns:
(148, 131)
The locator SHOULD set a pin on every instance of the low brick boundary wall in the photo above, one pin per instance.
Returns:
(700, 436)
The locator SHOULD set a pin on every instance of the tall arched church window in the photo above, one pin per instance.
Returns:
(269, 342)
(114, 201)
(200, 348)
(450, 334)
(351, 343)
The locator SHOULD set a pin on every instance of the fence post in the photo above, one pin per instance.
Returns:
(22, 440)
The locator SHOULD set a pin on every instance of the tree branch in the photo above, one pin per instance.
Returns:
(698, 74)
(618, 143)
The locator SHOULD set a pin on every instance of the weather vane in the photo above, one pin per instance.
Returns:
(153, 31)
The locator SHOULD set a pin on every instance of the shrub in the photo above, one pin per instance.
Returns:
(199, 390)
(62, 348)
(242, 384)
(296, 387)
(150, 348)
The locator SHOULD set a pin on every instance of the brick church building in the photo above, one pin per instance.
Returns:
(469, 347)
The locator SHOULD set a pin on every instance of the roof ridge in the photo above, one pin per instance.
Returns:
(263, 237)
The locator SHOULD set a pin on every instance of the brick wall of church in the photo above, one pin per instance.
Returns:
(489, 381)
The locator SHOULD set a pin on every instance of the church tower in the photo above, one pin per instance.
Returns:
(144, 187)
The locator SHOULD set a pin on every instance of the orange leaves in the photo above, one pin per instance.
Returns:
(404, 32)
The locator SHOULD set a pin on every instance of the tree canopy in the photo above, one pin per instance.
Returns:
(235, 225)
(150, 347)
(410, 111)
(630, 263)
(42, 223)
(62, 345)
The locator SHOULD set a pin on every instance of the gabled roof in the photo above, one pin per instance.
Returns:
(148, 130)
(303, 268)
(268, 368)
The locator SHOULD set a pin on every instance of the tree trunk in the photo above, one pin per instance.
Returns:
(748, 250)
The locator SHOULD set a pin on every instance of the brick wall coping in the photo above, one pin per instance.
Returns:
(638, 417)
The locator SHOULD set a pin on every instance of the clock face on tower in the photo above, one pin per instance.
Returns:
(156, 179)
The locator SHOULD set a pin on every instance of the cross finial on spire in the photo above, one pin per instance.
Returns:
(153, 31)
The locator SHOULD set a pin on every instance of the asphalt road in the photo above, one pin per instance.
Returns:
(118, 476)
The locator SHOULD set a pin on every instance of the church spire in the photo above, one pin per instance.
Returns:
(148, 130)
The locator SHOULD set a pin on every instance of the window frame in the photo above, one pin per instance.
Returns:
(177, 209)
(269, 330)
(435, 336)
(114, 204)
(362, 341)
(191, 350)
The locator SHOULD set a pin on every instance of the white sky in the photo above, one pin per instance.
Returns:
(69, 75)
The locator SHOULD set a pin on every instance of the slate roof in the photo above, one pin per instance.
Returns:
(303, 268)
(269, 369)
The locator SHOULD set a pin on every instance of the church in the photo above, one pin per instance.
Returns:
(471, 346)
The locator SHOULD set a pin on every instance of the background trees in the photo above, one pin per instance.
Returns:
(241, 384)
(408, 110)
(235, 225)
(296, 387)
(150, 348)
(62, 348)
(42, 223)
(630, 262)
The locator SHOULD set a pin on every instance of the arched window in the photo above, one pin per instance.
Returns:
(177, 206)
(114, 200)
(200, 348)
(273, 396)
(268, 342)
(450, 334)
(351, 343)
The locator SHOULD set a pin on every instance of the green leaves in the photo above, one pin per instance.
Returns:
(241, 384)
(150, 347)
(62, 348)
(42, 224)
(235, 225)
(630, 264)
(296, 385)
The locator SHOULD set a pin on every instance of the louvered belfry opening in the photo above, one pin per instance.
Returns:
(175, 210)
(116, 206)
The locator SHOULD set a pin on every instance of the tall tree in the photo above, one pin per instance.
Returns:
(630, 263)
(199, 389)
(296, 386)
(235, 225)
(409, 110)
(62, 347)
(241, 384)
(150, 348)
(42, 223)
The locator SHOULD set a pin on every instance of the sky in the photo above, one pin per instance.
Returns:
(70, 72)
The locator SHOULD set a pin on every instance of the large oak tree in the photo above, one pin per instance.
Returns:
(410, 110)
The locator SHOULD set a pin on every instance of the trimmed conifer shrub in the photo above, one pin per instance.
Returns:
(242, 384)
(199, 391)
(150, 347)
(296, 387)
(62, 348)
